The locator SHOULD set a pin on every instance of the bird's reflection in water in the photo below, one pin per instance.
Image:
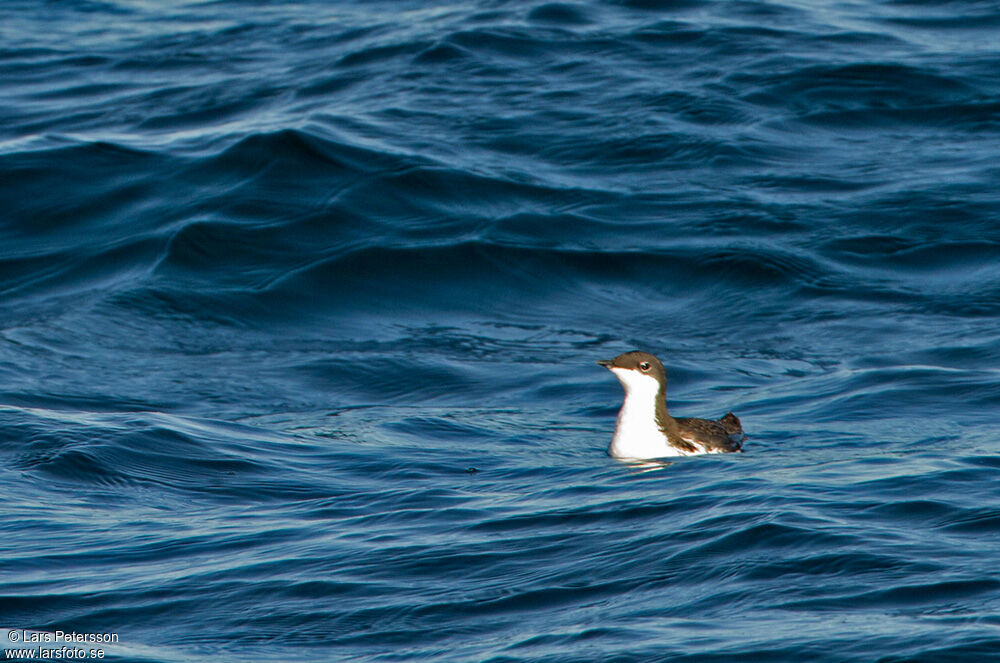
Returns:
(640, 465)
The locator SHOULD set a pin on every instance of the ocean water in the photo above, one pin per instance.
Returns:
(300, 304)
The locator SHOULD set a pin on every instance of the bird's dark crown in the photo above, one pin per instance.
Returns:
(636, 360)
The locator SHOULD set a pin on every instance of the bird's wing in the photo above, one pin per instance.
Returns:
(712, 436)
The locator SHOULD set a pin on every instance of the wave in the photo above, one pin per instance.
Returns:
(145, 450)
(333, 247)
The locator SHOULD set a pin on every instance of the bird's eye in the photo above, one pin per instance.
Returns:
(644, 366)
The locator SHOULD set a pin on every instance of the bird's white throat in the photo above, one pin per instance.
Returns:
(637, 434)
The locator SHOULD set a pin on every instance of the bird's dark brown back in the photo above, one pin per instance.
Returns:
(712, 435)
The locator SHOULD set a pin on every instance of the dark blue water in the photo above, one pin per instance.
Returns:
(300, 304)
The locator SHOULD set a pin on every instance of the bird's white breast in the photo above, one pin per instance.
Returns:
(637, 434)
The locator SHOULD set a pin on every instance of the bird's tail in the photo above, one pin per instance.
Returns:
(732, 424)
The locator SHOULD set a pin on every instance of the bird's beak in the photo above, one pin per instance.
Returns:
(606, 363)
